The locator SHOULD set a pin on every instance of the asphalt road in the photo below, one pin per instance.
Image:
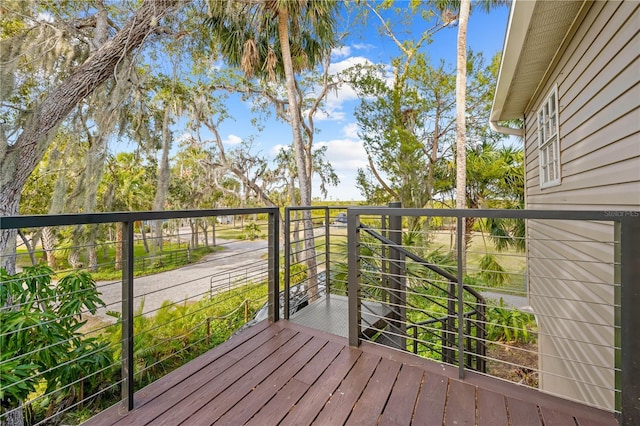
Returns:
(217, 271)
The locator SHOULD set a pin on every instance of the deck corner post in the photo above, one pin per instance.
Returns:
(628, 321)
(398, 283)
(460, 245)
(127, 315)
(327, 253)
(353, 286)
(274, 267)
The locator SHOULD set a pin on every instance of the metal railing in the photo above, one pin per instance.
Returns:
(550, 308)
(559, 316)
(116, 318)
(394, 273)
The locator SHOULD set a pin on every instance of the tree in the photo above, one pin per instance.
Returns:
(128, 185)
(404, 128)
(35, 126)
(464, 7)
(461, 105)
(277, 39)
(404, 116)
(409, 132)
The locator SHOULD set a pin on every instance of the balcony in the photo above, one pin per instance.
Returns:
(377, 329)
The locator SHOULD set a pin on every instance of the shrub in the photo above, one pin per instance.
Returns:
(509, 324)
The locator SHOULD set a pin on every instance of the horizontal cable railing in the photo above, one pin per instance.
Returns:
(115, 302)
(537, 299)
(541, 299)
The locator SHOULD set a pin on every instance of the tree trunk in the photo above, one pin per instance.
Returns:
(117, 266)
(29, 247)
(461, 126)
(309, 254)
(164, 173)
(92, 249)
(144, 237)
(14, 417)
(18, 160)
(9, 203)
(49, 245)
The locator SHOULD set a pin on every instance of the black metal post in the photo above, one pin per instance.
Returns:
(384, 267)
(287, 262)
(353, 289)
(628, 233)
(398, 284)
(127, 315)
(327, 250)
(274, 266)
(460, 296)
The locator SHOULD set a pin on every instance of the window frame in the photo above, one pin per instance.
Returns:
(547, 119)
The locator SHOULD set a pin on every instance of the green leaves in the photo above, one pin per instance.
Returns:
(39, 332)
(509, 324)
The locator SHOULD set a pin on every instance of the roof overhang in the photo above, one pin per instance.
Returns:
(535, 39)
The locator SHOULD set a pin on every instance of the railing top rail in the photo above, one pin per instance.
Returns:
(37, 221)
(604, 215)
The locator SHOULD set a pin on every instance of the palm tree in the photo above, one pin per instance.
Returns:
(464, 8)
(273, 39)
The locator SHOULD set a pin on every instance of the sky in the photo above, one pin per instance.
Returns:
(338, 129)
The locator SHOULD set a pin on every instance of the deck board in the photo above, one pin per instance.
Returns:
(236, 392)
(431, 400)
(219, 383)
(312, 402)
(338, 408)
(263, 392)
(288, 374)
(461, 404)
(369, 407)
(555, 418)
(402, 401)
(523, 413)
(492, 409)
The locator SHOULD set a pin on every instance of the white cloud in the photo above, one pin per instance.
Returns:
(363, 46)
(330, 113)
(341, 52)
(45, 17)
(275, 149)
(351, 130)
(232, 140)
(340, 66)
(345, 155)
(184, 137)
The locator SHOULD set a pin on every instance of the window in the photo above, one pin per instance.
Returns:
(549, 141)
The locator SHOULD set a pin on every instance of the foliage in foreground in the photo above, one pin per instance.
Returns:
(40, 336)
(70, 375)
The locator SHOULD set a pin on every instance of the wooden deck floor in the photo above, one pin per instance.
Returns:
(288, 374)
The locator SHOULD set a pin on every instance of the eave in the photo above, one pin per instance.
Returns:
(536, 37)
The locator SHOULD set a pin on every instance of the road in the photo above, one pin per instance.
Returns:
(216, 271)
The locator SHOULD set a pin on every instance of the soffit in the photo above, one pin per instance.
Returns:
(550, 22)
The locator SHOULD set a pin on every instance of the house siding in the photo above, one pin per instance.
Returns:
(571, 264)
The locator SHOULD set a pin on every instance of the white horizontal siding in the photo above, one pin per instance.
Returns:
(572, 282)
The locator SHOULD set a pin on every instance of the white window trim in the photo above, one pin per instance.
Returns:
(549, 140)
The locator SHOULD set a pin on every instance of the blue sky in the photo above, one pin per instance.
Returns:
(338, 130)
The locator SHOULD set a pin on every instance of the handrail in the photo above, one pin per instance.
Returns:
(448, 339)
(421, 261)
